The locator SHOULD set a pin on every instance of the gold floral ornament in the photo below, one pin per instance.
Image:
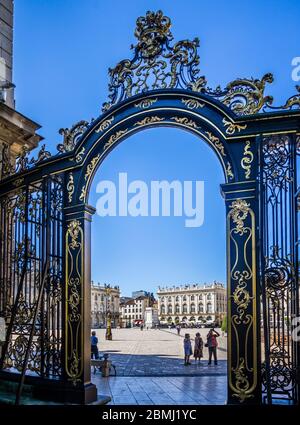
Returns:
(231, 128)
(247, 160)
(71, 136)
(192, 103)
(156, 64)
(239, 210)
(185, 121)
(244, 96)
(74, 230)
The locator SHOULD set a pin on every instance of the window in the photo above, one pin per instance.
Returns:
(209, 308)
(200, 308)
(163, 310)
(184, 298)
(170, 299)
(193, 309)
(162, 299)
(192, 297)
(184, 308)
(177, 299)
(170, 310)
(177, 308)
(209, 296)
(200, 297)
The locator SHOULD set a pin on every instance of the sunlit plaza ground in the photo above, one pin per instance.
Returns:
(150, 369)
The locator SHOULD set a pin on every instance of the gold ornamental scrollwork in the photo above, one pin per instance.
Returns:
(104, 125)
(231, 128)
(114, 138)
(74, 307)
(89, 171)
(91, 167)
(247, 159)
(239, 210)
(145, 103)
(216, 142)
(186, 122)
(192, 103)
(80, 154)
(148, 121)
(229, 172)
(242, 332)
(70, 187)
(242, 384)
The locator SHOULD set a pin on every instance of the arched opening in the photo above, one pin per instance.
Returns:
(120, 244)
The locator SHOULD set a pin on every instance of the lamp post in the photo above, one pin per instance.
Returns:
(108, 333)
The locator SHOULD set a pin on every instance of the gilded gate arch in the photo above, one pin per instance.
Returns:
(47, 341)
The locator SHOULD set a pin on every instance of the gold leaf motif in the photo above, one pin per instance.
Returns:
(92, 165)
(229, 172)
(148, 120)
(247, 160)
(145, 103)
(242, 384)
(239, 212)
(83, 194)
(241, 296)
(185, 121)
(79, 156)
(70, 187)
(104, 125)
(73, 231)
(231, 127)
(114, 138)
(192, 103)
(216, 142)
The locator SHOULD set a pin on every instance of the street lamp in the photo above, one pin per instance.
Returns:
(108, 333)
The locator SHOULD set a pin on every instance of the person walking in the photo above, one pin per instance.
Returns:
(212, 345)
(187, 345)
(178, 329)
(198, 348)
(94, 346)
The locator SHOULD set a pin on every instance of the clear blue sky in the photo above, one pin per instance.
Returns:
(62, 50)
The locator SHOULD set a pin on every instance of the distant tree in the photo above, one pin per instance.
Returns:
(224, 324)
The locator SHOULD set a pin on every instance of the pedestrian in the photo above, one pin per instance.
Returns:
(94, 346)
(142, 327)
(198, 348)
(187, 345)
(212, 345)
(178, 329)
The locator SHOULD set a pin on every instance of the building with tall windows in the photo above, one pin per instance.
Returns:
(192, 303)
(105, 299)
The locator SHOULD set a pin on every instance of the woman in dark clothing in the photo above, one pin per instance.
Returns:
(198, 348)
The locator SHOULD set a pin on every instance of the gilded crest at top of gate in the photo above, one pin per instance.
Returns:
(157, 64)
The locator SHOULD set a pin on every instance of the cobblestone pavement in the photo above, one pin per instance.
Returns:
(150, 369)
(157, 353)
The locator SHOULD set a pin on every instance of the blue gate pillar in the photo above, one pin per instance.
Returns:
(243, 292)
(76, 336)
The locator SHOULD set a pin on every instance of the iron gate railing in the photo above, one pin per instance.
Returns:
(30, 236)
(280, 265)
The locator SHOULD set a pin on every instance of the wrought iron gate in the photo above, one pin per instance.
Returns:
(45, 222)
(280, 265)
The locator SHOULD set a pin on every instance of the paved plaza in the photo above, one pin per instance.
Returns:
(150, 369)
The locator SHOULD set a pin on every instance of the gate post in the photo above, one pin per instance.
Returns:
(76, 336)
(243, 299)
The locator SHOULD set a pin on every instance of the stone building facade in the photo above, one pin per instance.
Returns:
(104, 300)
(192, 303)
(17, 132)
(132, 311)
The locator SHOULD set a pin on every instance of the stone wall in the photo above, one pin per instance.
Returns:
(6, 44)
